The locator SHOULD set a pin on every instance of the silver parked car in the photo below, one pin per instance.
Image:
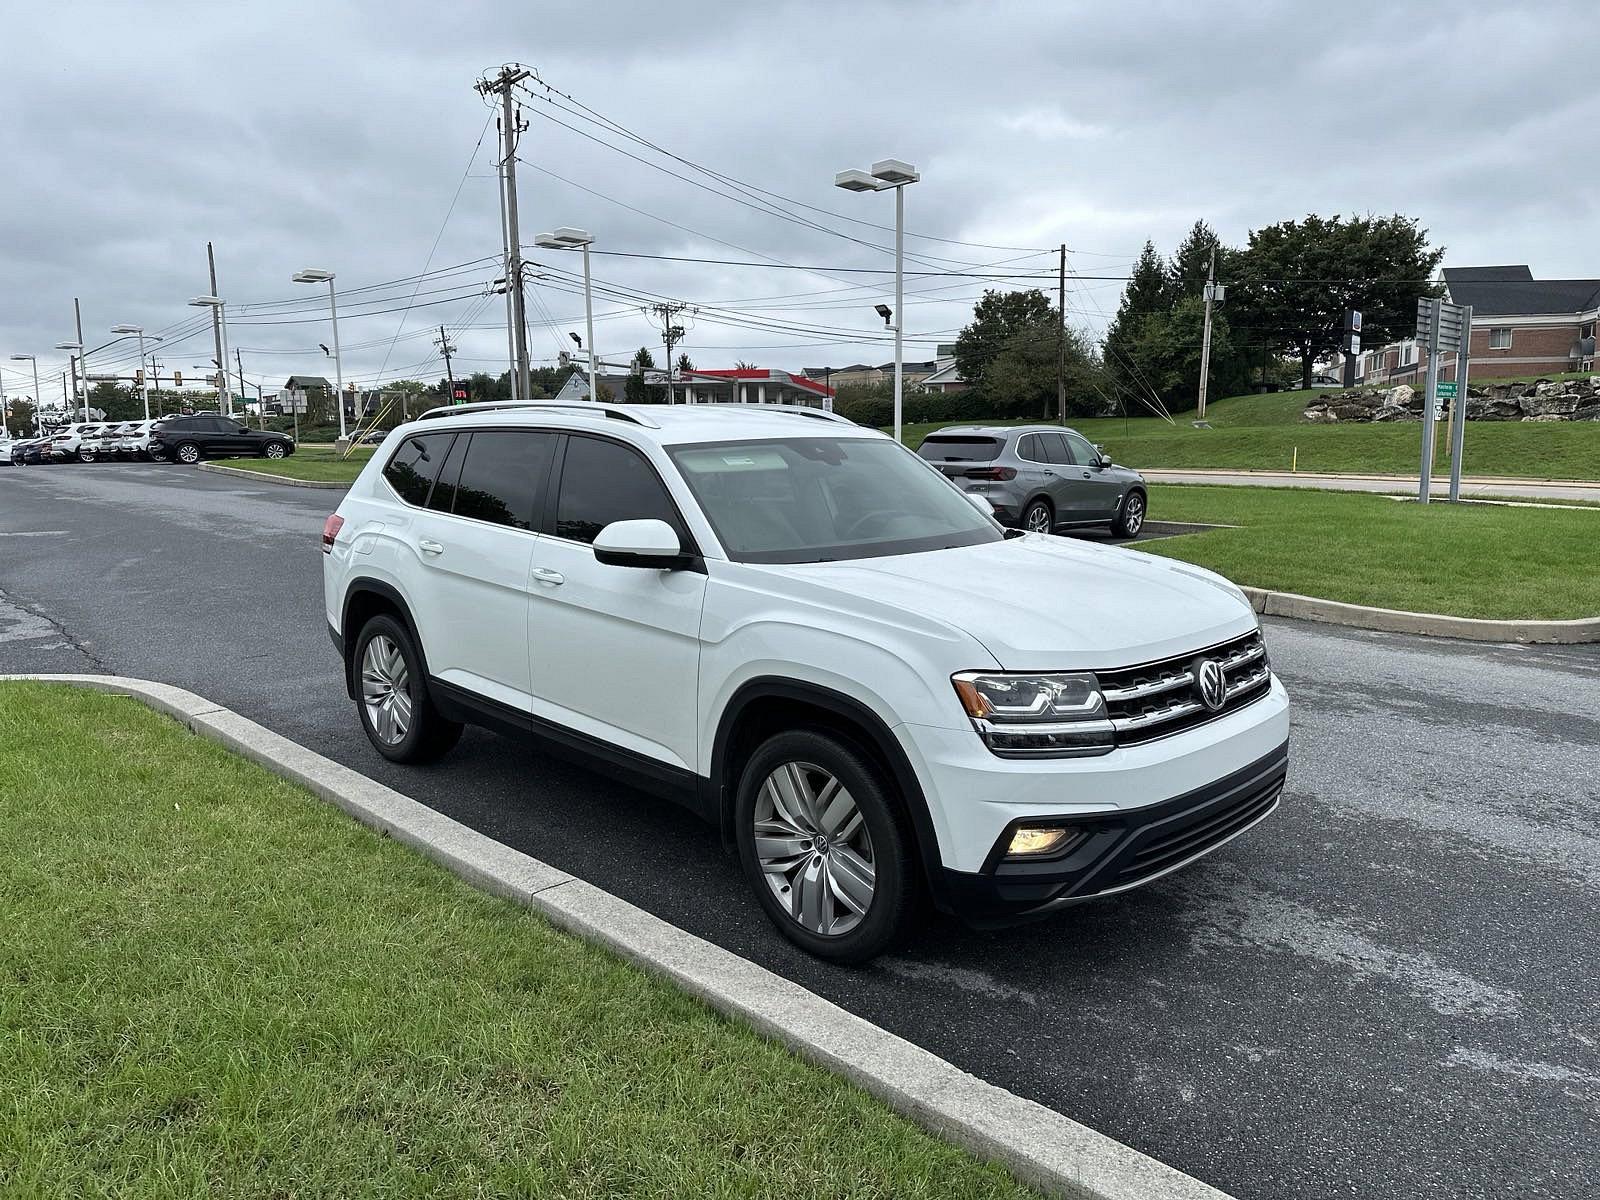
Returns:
(1040, 477)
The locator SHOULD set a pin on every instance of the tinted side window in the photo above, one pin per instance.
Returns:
(602, 482)
(443, 498)
(1055, 450)
(412, 469)
(1082, 452)
(503, 473)
(1028, 448)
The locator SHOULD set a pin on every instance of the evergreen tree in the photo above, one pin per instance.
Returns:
(1145, 294)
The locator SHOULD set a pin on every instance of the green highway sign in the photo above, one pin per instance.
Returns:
(1447, 389)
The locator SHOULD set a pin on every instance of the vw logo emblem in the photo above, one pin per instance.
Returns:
(1210, 684)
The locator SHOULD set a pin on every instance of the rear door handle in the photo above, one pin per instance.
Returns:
(547, 575)
(428, 547)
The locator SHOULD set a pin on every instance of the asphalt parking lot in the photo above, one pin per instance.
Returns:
(1389, 989)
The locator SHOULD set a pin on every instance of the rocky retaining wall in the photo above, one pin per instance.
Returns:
(1542, 400)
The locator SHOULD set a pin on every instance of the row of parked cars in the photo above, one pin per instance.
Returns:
(185, 439)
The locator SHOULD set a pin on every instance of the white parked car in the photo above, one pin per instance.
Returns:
(136, 441)
(810, 636)
(80, 442)
(5, 449)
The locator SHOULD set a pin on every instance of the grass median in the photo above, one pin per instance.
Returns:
(321, 464)
(217, 985)
(1467, 560)
(1265, 433)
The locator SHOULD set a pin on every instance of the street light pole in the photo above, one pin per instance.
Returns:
(316, 275)
(218, 306)
(886, 174)
(568, 238)
(77, 316)
(144, 379)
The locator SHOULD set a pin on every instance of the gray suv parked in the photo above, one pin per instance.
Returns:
(1040, 477)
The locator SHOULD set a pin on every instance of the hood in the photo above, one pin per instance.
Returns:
(1050, 603)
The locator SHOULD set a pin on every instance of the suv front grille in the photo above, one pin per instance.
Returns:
(1161, 698)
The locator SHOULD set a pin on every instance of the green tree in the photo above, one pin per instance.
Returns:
(22, 414)
(1167, 354)
(1296, 279)
(1022, 379)
(1145, 294)
(1186, 273)
(481, 386)
(996, 319)
(684, 364)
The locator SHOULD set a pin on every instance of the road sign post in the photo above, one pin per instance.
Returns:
(1428, 326)
(1458, 427)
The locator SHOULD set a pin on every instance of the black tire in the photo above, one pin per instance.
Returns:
(86, 456)
(894, 887)
(1130, 517)
(428, 735)
(1038, 517)
(273, 450)
(187, 453)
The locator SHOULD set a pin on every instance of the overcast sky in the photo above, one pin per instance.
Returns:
(348, 136)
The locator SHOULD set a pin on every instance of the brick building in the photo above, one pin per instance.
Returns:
(1520, 326)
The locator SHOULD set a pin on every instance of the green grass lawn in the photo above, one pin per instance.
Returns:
(1264, 433)
(1469, 560)
(216, 985)
(319, 463)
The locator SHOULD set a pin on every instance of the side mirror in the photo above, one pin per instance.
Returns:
(1102, 459)
(646, 543)
(981, 503)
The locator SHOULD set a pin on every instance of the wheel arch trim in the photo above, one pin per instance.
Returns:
(872, 727)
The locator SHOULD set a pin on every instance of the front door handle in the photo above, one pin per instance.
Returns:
(428, 547)
(1086, 475)
(547, 575)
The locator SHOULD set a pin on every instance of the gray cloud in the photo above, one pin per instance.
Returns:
(336, 135)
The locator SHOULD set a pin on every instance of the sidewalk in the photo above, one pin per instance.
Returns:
(1471, 485)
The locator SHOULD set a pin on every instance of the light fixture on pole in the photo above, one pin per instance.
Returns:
(315, 275)
(224, 393)
(30, 358)
(886, 174)
(144, 379)
(568, 238)
(76, 358)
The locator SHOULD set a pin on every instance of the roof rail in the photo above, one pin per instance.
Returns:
(798, 410)
(581, 406)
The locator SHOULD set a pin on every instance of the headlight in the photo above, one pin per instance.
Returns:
(1036, 715)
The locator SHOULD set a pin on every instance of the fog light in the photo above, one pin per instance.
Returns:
(1030, 840)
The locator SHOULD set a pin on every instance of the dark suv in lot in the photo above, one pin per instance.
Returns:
(189, 439)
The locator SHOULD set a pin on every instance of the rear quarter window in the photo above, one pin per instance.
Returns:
(938, 448)
(414, 465)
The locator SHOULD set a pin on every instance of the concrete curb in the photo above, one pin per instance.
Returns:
(1041, 1147)
(263, 477)
(1394, 620)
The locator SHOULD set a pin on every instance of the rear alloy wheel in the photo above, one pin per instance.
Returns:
(188, 454)
(1037, 518)
(822, 846)
(392, 695)
(85, 455)
(1130, 517)
(273, 450)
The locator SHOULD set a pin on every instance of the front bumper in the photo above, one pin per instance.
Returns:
(1122, 850)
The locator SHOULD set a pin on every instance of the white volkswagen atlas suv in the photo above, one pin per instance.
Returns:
(811, 637)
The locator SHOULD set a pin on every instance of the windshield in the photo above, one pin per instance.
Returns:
(799, 500)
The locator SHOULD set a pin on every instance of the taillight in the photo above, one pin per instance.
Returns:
(330, 530)
(997, 473)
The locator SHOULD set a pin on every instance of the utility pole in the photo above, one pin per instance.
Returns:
(216, 329)
(445, 348)
(510, 128)
(1061, 338)
(261, 416)
(671, 334)
(1205, 337)
(77, 315)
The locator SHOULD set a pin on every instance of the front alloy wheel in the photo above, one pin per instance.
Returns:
(188, 454)
(1130, 519)
(274, 450)
(824, 845)
(815, 851)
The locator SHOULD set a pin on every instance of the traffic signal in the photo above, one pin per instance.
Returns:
(138, 377)
(177, 379)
